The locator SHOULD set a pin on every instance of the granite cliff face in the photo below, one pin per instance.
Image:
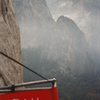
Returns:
(10, 72)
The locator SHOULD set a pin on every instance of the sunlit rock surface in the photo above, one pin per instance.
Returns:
(10, 72)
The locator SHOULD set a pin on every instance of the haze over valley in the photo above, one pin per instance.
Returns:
(57, 45)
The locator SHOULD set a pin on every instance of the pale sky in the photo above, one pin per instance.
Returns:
(86, 13)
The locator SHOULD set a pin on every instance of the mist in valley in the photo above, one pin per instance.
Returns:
(61, 48)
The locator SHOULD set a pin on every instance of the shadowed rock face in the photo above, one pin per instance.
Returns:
(75, 43)
(10, 72)
(35, 21)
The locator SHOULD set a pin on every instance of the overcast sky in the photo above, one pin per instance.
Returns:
(86, 13)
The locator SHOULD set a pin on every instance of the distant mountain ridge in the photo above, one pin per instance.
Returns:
(75, 42)
(61, 41)
(55, 49)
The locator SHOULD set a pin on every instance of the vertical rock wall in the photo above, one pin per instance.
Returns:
(10, 72)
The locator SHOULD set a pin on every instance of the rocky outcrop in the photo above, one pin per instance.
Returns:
(10, 72)
(75, 54)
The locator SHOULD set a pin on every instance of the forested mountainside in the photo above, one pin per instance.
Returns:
(57, 49)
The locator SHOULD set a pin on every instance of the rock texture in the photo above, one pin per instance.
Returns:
(10, 72)
(74, 45)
